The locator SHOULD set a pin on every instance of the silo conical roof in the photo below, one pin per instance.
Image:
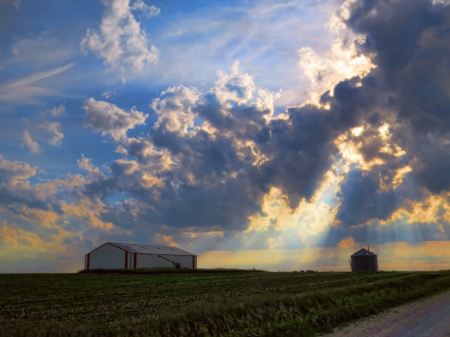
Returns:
(364, 252)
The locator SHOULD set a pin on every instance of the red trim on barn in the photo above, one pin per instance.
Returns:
(132, 250)
(112, 244)
(165, 254)
(107, 243)
(194, 257)
(88, 261)
(97, 248)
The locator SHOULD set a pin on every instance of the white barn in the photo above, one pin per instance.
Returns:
(113, 255)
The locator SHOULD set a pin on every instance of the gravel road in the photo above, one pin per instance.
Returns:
(430, 317)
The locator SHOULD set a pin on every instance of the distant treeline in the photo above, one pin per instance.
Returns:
(168, 271)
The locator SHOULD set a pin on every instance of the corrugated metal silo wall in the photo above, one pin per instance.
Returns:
(373, 264)
(364, 263)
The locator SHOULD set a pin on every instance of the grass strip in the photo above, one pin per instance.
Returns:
(302, 314)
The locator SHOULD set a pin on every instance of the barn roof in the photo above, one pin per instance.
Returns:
(150, 249)
(363, 252)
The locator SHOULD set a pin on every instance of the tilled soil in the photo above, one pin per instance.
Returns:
(430, 317)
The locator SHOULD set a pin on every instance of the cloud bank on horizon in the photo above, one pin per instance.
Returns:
(97, 147)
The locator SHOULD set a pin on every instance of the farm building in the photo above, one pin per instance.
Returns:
(113, 255)
(364, 260)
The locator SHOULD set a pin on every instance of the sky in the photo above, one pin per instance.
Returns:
(280, 135)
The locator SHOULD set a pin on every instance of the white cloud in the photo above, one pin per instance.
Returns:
(30, 143)
(314, 67)
(108, 94)
(239, 87)
(58, 110)
(178, 106)
(53, 128)
(236, 86)
(107, 118)
(441, 2)
(121, 42)
(148, 11)
(341, 61)
(87, 165)
(175, 110)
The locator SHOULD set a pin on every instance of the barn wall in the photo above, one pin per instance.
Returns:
(153, 261)
(108, 257)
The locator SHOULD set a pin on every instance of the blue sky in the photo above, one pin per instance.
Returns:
(195, 40)
(223, 127)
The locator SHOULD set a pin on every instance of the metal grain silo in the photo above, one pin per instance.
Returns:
(364, 260)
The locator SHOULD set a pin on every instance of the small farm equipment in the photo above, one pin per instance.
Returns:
(177, 265)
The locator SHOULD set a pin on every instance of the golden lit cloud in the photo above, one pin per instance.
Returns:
(342, 61)
(28, 242)
(49, 188)
(38, 217)
(430, 210)
(347, 242)
(88, 210)
(23, 250)
(351, 143)
(398, 178)
(308, 220)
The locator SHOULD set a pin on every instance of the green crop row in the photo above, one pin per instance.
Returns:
(59, 296)
(306, 304)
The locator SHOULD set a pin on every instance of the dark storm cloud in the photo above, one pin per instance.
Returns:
(399, 231)
(434, 168)
(215, 183)
(13, 194)
(361, 200)
(408, 41)
(216, 180)
(393, 29)
(9, 197)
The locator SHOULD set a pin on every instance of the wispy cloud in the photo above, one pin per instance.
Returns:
(54, 129)
(22, 90)
(30, 143)
(39, 76)
(265, 36)
(15, 3)
(45, 48)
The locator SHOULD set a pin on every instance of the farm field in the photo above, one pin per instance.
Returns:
(201, 304)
